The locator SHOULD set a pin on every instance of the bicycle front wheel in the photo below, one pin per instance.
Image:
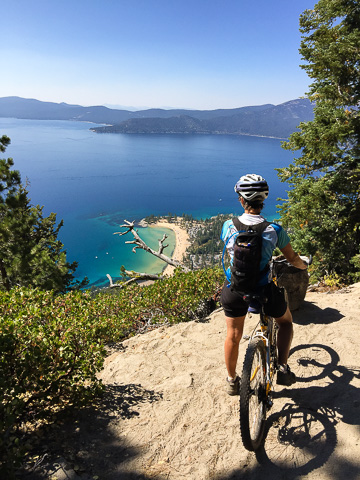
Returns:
(253, 395)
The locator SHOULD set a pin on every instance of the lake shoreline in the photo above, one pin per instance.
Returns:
(94, 182)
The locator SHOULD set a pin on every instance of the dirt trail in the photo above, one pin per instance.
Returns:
(167, 416)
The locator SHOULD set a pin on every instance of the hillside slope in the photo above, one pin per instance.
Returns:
(262, 120)
(166, 415)
(270, 121)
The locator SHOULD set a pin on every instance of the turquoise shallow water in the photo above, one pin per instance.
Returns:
(93, 182)
(101, 252)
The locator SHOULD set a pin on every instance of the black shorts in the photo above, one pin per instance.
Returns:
(235, 306)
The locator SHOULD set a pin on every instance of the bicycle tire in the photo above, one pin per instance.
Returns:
(253, 395)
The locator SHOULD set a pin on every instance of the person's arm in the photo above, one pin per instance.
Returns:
(292, 257)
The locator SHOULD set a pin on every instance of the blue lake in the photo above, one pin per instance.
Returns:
(95, 181)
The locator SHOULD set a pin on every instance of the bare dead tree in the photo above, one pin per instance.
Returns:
(138, 242)
(135, 276)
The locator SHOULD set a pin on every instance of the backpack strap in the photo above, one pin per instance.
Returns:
(238, 225)
(261, 227)
(258, 227)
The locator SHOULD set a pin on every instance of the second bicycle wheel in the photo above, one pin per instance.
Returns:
(253, 395)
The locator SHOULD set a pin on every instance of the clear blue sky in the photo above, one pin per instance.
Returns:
(201, 54)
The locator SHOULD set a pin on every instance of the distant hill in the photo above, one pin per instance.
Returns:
(263, 120)
(16, 107)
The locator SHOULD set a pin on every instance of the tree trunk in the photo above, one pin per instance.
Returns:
(5, 278)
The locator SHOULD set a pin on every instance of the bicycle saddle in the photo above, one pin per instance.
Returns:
(255, 302)
(254, 307)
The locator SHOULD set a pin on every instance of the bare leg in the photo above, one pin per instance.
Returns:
(285, 335)
(233, 336)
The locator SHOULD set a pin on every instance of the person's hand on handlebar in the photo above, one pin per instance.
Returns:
(293, 258)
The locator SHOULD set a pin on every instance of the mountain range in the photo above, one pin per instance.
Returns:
(263, 120)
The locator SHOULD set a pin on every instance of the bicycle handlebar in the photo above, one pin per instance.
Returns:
(305, 259)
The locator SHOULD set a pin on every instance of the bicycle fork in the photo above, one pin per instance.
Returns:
(268, 373)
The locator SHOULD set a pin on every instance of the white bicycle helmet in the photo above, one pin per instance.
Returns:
(252, 187)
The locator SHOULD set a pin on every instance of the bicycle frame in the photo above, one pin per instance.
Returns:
(257, 378)
(267, 333)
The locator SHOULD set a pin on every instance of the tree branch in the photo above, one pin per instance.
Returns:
(137, 276)
(139, 243)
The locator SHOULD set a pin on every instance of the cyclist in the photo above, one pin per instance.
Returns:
(252, 190)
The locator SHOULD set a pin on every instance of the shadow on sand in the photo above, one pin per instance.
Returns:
(302, 437)
(83, 445)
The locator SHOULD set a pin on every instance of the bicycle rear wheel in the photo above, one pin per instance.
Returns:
(253, 395)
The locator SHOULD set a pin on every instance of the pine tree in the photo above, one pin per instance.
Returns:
(323, 206)
(30, 253)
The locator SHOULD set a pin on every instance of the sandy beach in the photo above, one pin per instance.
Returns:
(181, 242)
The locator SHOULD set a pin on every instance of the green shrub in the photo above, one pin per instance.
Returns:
(49, 356)
(52, 346)
(356, 262)
(175, 299)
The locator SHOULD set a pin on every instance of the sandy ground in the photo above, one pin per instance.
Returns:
(181, 242)
(167, 416)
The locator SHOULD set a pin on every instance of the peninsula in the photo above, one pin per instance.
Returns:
(266, 120)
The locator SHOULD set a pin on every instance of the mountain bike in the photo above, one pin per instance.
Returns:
(260, 365)
(259, 368)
